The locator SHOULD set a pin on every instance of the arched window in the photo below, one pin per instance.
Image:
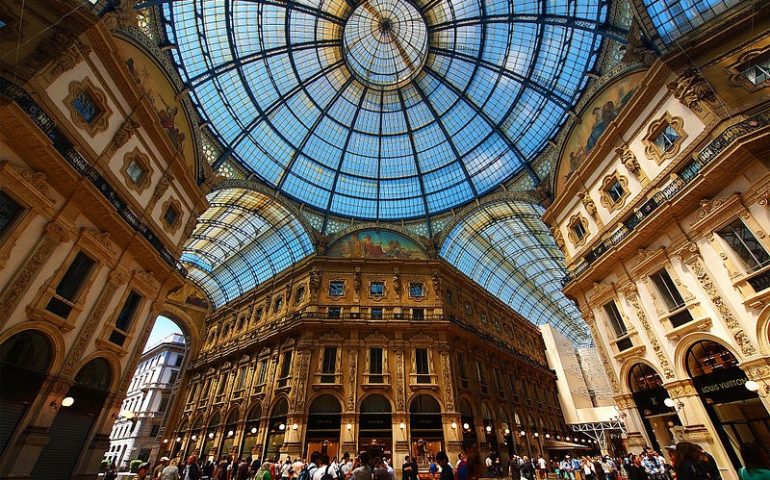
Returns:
(24, 361)
(425, 414)
(707, 357)
(96, 374)
(643, 377)
(251, 430)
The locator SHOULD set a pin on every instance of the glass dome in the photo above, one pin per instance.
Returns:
(384, 109)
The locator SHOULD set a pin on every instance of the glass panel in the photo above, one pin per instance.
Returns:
(421, 365)
(10, 211)
(135, 171)
(377, 288)
(84, 104)
(745, 244)
(667, 289)
(336, 289)
(615, 319)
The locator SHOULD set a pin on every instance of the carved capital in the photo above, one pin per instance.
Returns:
(57, 232)
(692, 90)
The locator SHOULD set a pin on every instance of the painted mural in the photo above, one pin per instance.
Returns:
(375, 244)
(160, 95)
(595, 119)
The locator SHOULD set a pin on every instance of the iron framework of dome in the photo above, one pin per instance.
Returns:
(384, 109)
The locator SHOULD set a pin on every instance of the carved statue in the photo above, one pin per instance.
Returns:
(691, 89)
(588, 203)
(629, 160)
(636, 50)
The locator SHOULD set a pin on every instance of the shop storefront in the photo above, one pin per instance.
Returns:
(466, 417)
(250, 432)
(323, 427)
(649, 397)
(426, 429)
(228, 435)
(208, 441)
(276, 430)
(737, 414)
(375, 431)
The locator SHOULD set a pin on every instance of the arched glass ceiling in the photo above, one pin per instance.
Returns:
(243, 239)
(674, 18)
(505, 247)
(384, 109)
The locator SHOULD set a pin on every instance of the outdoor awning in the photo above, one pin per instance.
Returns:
(560, 445)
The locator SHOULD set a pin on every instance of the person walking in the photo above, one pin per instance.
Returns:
(170, 472)
(688, 463)
(653, 466)
(192, 470)
(446, 469)
(756, 462)
(527, 469)
(634, 468)
(542, 467)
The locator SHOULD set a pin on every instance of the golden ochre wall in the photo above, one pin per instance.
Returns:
(458, 320)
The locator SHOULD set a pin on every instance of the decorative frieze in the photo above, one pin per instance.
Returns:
(446, 371)
(353, 375)
(300, 384)
(400, 381)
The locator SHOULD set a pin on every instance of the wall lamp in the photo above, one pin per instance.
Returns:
(750, 385)
(65, 402)
(676, 404)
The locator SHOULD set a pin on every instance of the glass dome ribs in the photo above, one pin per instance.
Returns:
(243, 239)
(384, 109)
(674, 18)
(505, 247)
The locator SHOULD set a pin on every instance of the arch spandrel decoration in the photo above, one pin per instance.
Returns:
(243, 239)
(505, 247)
(376, 243)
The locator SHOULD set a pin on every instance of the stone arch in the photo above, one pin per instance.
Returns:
(625, 371)
(277, 402)
(471, 405)
(680, 352)
(53, 334)
(372, 395)
(331, 393)
(234, 409)
(192, 332)
(431, 394)
(112, 361)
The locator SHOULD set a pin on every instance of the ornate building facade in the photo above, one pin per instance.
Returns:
(372, 346)
(661, 210)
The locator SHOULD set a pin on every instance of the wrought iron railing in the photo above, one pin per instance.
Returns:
(683, 178)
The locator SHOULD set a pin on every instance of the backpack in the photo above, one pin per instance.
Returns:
(305, 474)
(327, 475)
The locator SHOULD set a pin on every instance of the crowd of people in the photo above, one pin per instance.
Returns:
(686, 461)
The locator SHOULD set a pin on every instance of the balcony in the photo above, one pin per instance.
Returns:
(423, 380)
(682, 179)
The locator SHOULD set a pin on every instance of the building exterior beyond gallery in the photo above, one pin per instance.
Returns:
(372, 347)
(664, 224)
(135, 432)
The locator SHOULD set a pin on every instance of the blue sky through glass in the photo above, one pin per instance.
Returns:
(163, 328)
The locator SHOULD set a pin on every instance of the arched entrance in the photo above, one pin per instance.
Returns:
(466, 419)
(211, 432)
(489, 430)
(276, 429)
(426, 429)
(228, 434)
(507, 432)
(24, 362)
(69, 430)
(649, 394)
(375, 434)
(323, 426)
(180, 434)
(251, 431)
(196, 437)
(737, 414)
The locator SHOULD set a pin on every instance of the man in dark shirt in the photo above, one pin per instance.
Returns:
(446, 469)
(406, 469)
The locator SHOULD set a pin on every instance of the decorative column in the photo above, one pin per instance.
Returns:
(696, 424)
(759, 371)
(292, 441)
(690, 256)
(637, 434)
(400, 437)
(632, 295)
(54, 235)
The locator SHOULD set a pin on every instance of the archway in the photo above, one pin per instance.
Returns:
(196, 437)
(71, 427)
(649, 394)
(505, 424)
(323, 426)
(24, 362)
(276, 429)
(375, 432)
(490, 431)
(228, 434)
(251, 431)
(737, 414)
(180, 434)
(466, 419)
(211, 433)
(426, 429)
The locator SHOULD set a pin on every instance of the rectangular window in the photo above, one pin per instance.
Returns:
(481, 378)
(615, 191)
(579, 230)
(283, 378)
(70, 285)
(170, 216)
(262, 375)
(667, 289)
(240, 383)
(173, 376)
(123, 322)
(299, 296)
(615, 318)
(335, 312)
(666, 139)
(745, 244)
(336, 288)
(376, 313)
(421, 365)
(163, 404)
(84, 104)
(498, 382)
(375, 365)
(757, 70)
(278, 304)
(329, 365)
(135, 171)
(461, 370)
(416, 290)
(222, 385)
(377, 289)
(418, 314)
(10, 211)
(154, 430)
(178, 360)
